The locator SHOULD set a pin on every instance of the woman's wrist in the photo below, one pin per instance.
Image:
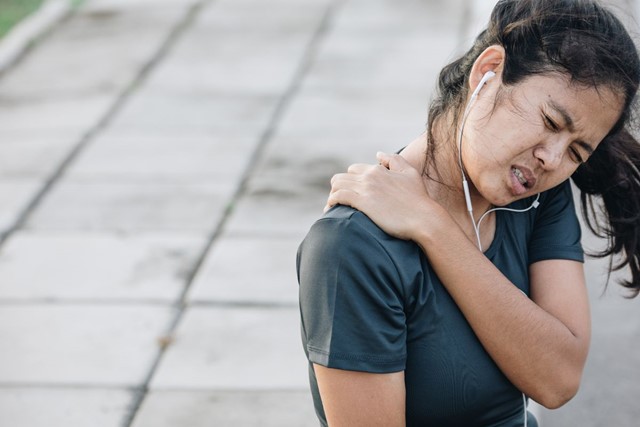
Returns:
(435, 225)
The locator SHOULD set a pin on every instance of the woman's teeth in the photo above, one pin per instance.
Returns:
(519, 175)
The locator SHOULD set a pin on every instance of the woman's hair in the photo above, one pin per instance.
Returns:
(586, 42)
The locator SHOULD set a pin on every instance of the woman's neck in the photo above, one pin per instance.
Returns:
(444, 185)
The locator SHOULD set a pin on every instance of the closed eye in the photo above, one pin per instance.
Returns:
(550, 124)
(575, 155)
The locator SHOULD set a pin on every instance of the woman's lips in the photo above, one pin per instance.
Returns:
(522, 179)
(516, 187)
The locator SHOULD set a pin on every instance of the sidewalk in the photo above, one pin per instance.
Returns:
(160, 161)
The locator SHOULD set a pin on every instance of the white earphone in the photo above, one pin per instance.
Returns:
(487, 76)
(465, 186)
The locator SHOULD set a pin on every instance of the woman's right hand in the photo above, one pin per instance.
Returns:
(392, 194)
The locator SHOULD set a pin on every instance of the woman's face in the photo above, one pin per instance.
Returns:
(538, 134)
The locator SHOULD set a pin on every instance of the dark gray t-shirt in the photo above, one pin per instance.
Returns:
(370, 302)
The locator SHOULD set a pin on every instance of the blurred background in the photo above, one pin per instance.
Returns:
(160, 161)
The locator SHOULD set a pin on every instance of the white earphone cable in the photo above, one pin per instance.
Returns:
(465, 187)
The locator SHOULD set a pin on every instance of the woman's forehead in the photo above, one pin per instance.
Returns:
(561, 92)
(589, 110)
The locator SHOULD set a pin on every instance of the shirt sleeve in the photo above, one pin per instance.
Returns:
(556, 233)
(351, 299)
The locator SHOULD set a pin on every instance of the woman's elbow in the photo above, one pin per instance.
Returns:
(555, 401)
(559, 393)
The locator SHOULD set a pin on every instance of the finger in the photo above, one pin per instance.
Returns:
(343, 177)
(345, 196)
(359, 168)
(345, 181)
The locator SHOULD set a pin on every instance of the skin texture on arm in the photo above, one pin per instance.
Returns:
(361, 399)
(541, 343)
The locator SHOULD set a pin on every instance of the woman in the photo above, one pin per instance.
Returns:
(456, 312)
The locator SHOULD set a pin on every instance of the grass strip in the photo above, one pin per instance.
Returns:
(13, 11)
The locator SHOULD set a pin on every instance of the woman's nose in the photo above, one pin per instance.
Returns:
(550, 154)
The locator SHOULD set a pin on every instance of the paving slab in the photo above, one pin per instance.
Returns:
(392, 17)
(52, 115)
(290, 185)
(182, 157)
(272, 408)
(35, 156)
(234, 63)
(226, 348)
(79, 85)
(68, 407)
(15, 196)
(354, 61)
(81, 266)
(87, 344)
(315, 110)
(104, 19)
(126, 206)
(277, 212)
(248, 270)
(240, 48)
(151, 110)
(258, 16)
(314, 159)
(304, 151)
(75, 65)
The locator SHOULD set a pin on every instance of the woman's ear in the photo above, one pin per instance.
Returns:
(491, 59)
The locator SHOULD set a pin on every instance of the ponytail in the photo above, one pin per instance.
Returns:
(610, 200)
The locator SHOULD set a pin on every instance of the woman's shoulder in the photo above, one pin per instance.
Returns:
(344, 234)
(351, 227)
(350, 218)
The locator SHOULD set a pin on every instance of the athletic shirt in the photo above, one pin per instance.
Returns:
(370, 302)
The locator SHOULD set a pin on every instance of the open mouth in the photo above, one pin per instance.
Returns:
(520, 176)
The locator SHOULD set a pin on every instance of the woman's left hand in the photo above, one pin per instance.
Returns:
(392, 194)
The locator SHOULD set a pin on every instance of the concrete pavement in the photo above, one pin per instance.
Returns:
(160, 160)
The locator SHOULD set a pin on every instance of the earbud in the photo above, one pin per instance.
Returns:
(487, 76)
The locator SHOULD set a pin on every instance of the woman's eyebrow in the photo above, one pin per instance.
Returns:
(566, 117)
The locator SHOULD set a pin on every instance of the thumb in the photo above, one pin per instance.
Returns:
(383, 158)
(393, 162)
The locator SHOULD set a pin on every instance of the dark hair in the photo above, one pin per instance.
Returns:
(586, 42)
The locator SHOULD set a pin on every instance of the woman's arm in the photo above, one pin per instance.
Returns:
(353, 320)
(361, 399)
(540, 344)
